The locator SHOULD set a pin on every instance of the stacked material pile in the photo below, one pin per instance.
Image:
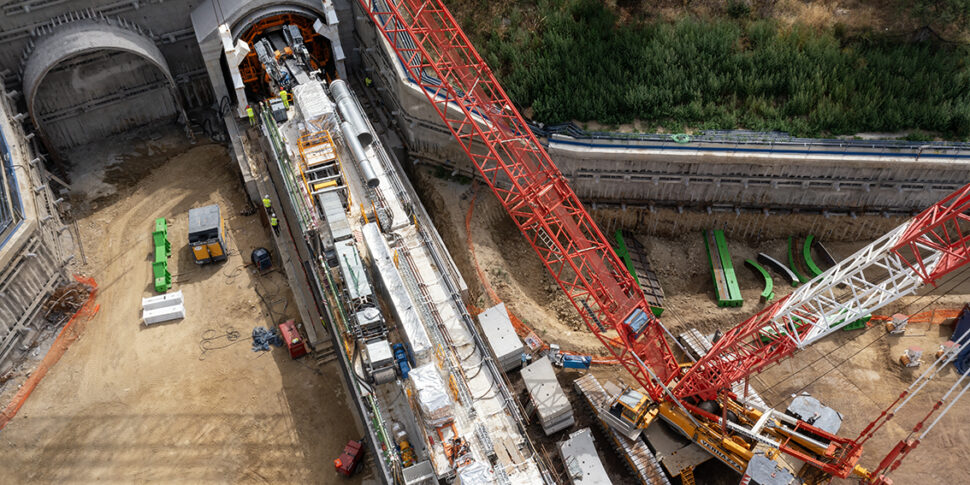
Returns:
(582, 462)
(315, 106)
(432, 395)
(547, 397)
(501, 337)
(163, 308)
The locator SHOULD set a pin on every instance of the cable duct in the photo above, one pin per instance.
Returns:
(353, 143)
(349, 110)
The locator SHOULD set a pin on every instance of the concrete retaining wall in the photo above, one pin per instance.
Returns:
(91, 78)
(34, 251)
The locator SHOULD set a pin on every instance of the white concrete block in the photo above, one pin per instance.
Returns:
(168, 299)
(163, 314)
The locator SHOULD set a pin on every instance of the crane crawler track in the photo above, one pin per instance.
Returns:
(637, 455)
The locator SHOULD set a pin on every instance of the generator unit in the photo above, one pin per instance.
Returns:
(207, 234)
(380, 363)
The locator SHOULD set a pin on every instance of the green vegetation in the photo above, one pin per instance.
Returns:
(582, 64)
(939, 11)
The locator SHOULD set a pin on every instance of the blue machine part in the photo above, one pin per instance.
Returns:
(637, 322)
(401, 357)
(261, 259)
(576, 361)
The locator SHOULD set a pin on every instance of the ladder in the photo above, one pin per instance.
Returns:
(687, 476)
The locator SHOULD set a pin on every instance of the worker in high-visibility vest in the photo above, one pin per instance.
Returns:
(252, 115)
(275, 223)
(285, 96)
(266, 202)
(367, 81)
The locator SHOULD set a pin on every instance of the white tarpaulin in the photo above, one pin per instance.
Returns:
(313, 103)
(401, 303)
(432, 395)
(475, 474)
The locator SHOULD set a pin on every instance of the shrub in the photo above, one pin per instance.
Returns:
(583, 65)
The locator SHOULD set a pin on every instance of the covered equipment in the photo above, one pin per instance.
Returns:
(207, 234)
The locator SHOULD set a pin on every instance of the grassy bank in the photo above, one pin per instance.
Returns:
(578, 62)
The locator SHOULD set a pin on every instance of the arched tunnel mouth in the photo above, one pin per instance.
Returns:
(99, 93)
(93, 79)
(269, 26)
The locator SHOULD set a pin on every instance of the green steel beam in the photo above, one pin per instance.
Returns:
(726, 286)
(624, 253)
(163, 250)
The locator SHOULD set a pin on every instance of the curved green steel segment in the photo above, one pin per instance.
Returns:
(769, 292)
(807, 256)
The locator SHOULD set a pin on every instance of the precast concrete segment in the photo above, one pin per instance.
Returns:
(79, 38)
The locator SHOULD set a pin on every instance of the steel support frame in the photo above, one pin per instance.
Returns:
(920, 251)
(440, 59)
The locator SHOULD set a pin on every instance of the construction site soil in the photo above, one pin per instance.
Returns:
(134, 404)
(129, 403)
(855, 372)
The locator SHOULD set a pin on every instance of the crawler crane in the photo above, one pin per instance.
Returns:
(694, 397)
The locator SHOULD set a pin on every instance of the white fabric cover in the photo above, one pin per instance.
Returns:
(475, 474)
(401, 303)
(432, 395)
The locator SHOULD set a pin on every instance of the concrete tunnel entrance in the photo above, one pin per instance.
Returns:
(90, 80)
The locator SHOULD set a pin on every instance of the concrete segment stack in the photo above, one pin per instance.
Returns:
(547, 397)
(583, 465)
(501, 337)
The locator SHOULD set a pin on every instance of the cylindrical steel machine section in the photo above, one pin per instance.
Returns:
(349, 110)
(353, 144)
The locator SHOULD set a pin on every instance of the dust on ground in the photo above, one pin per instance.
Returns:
(130, 403)
(855, 372)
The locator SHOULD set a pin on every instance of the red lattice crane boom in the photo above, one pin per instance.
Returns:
(440, 59)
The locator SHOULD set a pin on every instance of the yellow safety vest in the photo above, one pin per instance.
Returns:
(266, 202)
(272, 221)
(249, 111)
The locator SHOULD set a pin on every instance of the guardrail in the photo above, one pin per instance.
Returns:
(742, 137)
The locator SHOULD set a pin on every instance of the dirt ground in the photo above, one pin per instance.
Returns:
(134, 404)
(855, 372)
